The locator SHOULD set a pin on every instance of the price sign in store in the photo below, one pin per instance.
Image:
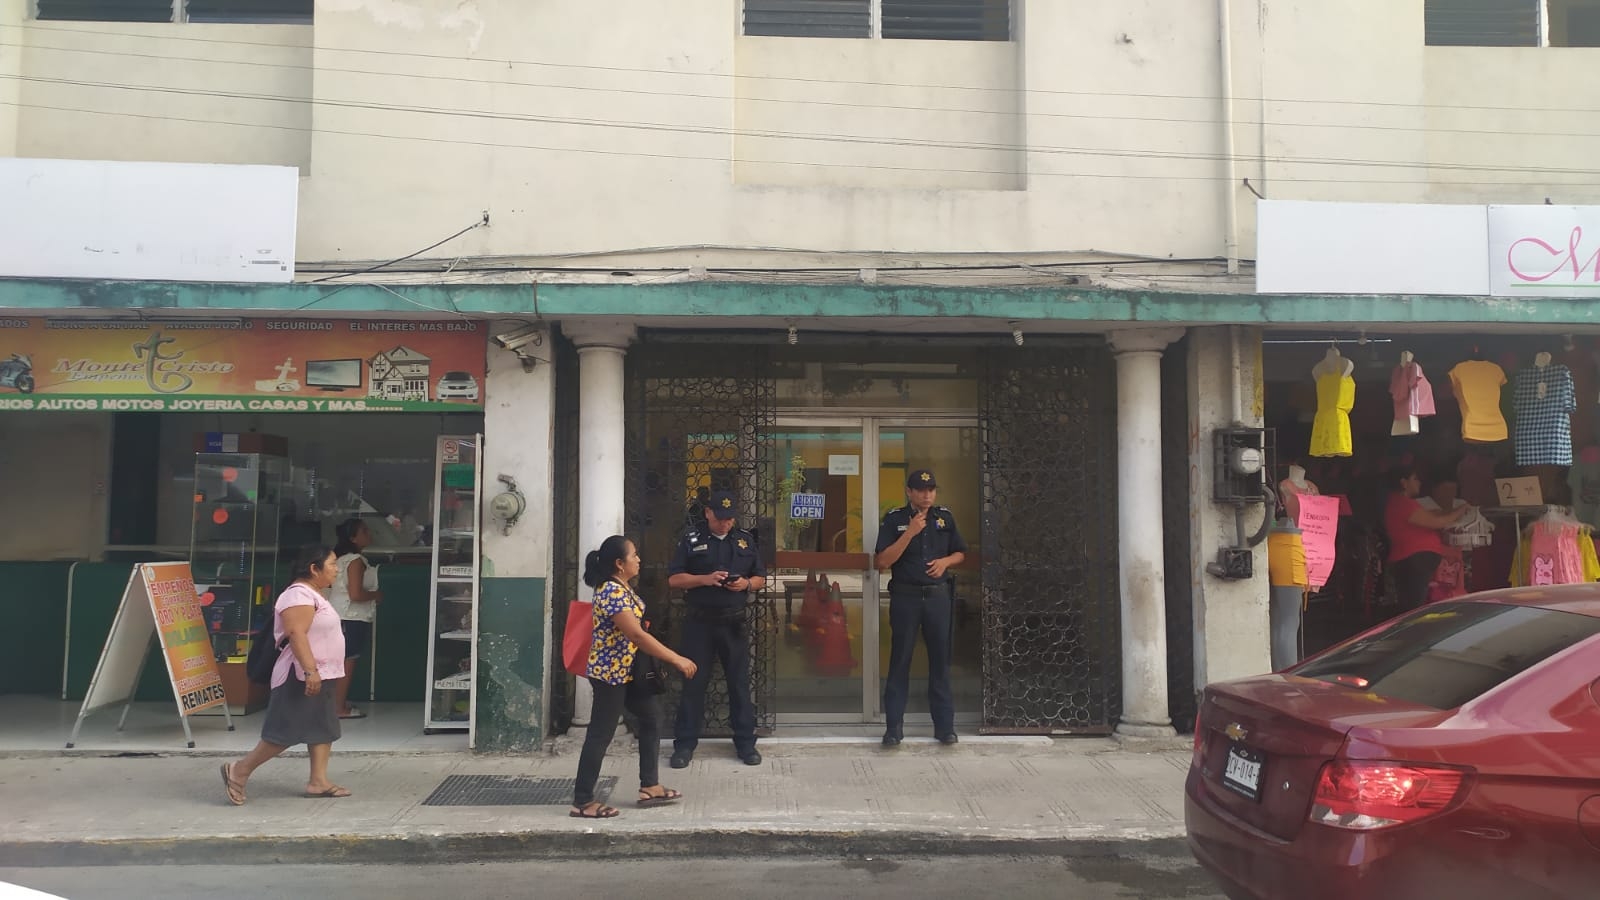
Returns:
(807, 506)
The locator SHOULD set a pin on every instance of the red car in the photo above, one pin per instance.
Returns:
(1453, 753)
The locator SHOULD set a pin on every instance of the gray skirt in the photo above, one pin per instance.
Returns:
(293, 718)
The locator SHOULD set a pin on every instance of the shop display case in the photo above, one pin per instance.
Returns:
(233, 554)
(454, 603)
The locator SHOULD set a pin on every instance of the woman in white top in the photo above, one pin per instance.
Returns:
(355, 595)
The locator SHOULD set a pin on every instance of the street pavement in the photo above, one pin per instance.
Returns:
(1080, 797)
(1159, 871)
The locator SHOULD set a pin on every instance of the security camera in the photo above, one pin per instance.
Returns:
(518, 338)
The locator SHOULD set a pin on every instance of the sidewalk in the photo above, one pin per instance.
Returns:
(841, 795)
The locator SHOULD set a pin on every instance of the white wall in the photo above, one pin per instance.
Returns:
(11, 12)
(62, 516)
(164, 93)
(609, 124)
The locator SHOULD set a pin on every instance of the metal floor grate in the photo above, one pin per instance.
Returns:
(510, 790)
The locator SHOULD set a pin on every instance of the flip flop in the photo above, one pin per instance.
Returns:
(668, 796)
(594, 811)
(334, 793)
(236, 795)
(354, 714)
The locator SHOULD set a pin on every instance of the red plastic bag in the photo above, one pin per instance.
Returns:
(579, 637)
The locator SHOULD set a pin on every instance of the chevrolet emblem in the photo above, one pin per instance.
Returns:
(1236, 731)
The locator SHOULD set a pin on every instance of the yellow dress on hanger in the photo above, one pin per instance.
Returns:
(1330, 430)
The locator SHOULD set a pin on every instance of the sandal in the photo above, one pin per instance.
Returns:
(352, 713)
(236, 795)
(333, 792)
(595, 810)
(667, 795)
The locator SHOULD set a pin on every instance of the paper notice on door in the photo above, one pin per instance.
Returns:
(844, 464)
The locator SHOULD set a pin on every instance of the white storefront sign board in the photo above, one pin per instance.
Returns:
(1307, 247)
(69, 218)
(1544, 251)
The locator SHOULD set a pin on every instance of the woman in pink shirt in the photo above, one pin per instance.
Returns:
(301, 709)
(1415, 547)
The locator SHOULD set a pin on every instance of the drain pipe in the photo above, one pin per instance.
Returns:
(1230, 181)
(1235, 377)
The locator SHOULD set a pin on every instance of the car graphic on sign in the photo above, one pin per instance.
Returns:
(458, 386)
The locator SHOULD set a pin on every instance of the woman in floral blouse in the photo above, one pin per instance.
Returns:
(619, 635)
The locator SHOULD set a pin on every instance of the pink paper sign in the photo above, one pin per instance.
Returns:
(1319, 525)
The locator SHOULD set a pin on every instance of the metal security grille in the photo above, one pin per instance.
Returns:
(1175, 529)
(700, 418)
(566, 555)
(1050, 615)
(1482, 23)
(508, 790)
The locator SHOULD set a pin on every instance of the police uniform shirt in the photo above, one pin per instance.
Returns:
(701, 553)
(939, 538)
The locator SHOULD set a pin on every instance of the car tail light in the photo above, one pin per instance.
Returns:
(1362, 796)
(1199, 740)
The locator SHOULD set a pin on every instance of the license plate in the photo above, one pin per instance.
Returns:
(1242, 774)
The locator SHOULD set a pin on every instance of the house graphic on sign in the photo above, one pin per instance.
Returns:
(399, 374)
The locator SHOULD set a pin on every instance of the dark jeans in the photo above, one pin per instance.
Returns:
(1411, 578)
(928, 609)
(727, 643)
(609, 700)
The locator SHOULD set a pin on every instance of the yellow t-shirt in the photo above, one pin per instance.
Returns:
(1477, 386)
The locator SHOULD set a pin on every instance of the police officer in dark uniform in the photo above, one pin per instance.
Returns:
(918, 543)
(717, 565)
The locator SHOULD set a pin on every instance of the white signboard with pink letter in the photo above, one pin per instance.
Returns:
(1544, 251)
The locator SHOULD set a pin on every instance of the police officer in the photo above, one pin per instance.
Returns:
(717, 565)
(918, 543)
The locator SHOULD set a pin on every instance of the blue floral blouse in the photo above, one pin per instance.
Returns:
(611, 654)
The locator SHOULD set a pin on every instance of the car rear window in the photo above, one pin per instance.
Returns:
(1449, 653)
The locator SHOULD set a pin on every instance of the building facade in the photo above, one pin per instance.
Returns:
(792, 249)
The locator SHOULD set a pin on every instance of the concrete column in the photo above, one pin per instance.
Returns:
(602, 469)
(1140, 554)
(1231, 620)
(513, 676)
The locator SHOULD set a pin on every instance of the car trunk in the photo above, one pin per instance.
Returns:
(1291, 726)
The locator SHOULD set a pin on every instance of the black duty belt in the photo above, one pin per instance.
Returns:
(716, 615)
(921, 590)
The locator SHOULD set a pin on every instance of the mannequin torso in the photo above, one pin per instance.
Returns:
(1291, 489)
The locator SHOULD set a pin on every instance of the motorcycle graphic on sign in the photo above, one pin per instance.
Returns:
(17, 372)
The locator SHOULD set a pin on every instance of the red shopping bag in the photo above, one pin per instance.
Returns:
(579, 636)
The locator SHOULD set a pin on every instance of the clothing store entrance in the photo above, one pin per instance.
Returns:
(837, 476)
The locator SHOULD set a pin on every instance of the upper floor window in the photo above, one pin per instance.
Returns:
(1512, 23)
(250, 11)
(930, 20)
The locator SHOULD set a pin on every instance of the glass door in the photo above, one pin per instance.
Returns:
(950, 449)
(821, 585)
(837, 478)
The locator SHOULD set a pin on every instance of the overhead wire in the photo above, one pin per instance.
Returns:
(795, 101)
(722, 131)
(743, 76)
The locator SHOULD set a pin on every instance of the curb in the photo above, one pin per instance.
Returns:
(419, 849)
